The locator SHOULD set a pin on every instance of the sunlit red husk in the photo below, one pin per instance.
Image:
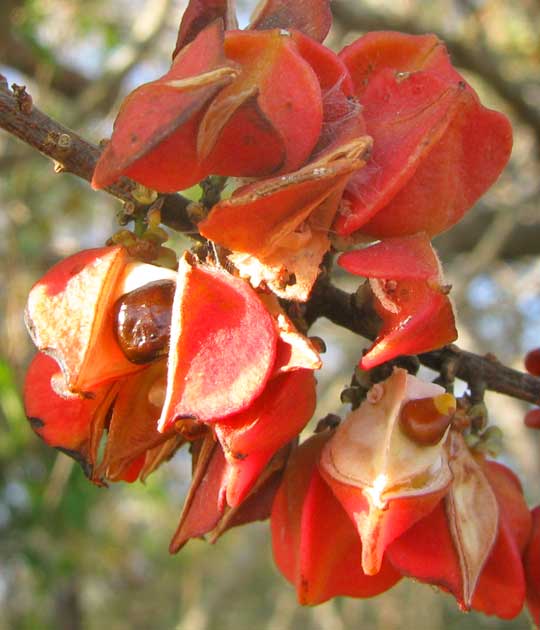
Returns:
(281, 224)
(259, 216)
(428, 551)
(132, 428)
(342, 117)
(502, 593)
(274, 102)
(385, 480)
(330, 69)
(424, 323)
(205, 511)
(69, 315)
(231, 134)
(379, 526)
(201, 13)
(315, 544)
(257, 505)
(456, 170)
(378, 50)
(222, 349)
(250, 438)
(205, 502)
(155, 132)
(408, 258)
(73, 425)
(312, 17)
(429, 164)
(405, 276)
(532, 568)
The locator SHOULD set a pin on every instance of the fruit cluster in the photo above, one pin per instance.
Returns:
(383, 144)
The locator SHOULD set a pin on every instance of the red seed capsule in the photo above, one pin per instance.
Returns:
(532, 362)
(143, 321)
(425, 420)
(532, 419)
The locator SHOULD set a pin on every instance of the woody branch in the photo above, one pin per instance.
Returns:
(72, 154)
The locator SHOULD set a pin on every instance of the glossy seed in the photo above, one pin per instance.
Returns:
(143, 321)
(425, 420)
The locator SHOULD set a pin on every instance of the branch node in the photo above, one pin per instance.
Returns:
(477, 387)
(64, 141)
(330, 421)
(24, 100)
(491, 357)
(448, 372)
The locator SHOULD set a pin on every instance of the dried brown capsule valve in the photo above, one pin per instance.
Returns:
(143, 321)
(425, 420)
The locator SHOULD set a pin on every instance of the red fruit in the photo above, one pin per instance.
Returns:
(132, 428)
(315, 544)
(205, 509)
(205, 502)
(436, 148)
(250, 438)
(154, 139)
(532, 419)
(472, 543)
(312, 17)
(201, 13)
(501, 587)
(70, 316)
(73, 424)
(385, 480)
(279, 226)
(222, 348)
(377, 50)
(409, 296)
(275, 102)
(532, 362)
(532, 568)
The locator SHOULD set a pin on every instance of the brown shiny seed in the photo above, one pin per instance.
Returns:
(425, 420)
(143, 321)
